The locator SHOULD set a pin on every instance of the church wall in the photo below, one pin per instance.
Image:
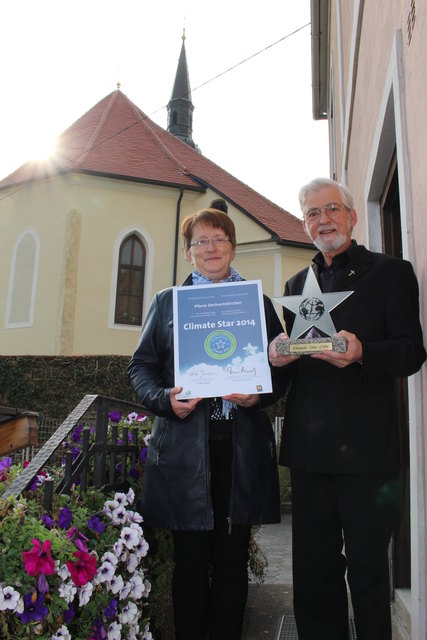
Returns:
(80, 222)
(42, 209)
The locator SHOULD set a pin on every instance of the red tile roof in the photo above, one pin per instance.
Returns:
(117, 139)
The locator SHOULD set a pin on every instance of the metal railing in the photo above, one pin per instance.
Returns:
(105, 452)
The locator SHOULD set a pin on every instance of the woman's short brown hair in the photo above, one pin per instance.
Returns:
(211, 218)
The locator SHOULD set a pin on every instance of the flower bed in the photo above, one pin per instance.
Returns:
(78, 572)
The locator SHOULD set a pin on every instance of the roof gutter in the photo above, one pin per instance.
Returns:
(320, 11)
(178, 214)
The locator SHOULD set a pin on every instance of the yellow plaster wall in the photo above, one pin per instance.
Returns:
(79, 220)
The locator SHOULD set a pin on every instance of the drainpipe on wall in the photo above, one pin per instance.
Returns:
(178, 213)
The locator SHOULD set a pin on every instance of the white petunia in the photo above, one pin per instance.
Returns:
(121, 498)
(116, 584)
(110, 506)
(20, 606)
(147, 439)
(119, 516)
(129, 614)
(62, 634)
(147, 585)
(114, 631)
(125, 591)
(147, 635)
(130, 496)
(130, 537)
(137, 588)
(132, 562)
(134, 516)
(85, 593)
(118, 548)
(9, 598)
(63, 572)
(67, 591)
(110, 557)
(142, 548)
(106, 572)
(135, 526)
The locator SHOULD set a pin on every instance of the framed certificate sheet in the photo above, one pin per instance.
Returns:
(220, 340)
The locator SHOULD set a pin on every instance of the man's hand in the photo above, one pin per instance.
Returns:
(275, 359)
(182, 408)
(353, 354)
(243, 399)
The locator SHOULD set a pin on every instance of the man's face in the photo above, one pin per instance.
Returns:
(331, 230)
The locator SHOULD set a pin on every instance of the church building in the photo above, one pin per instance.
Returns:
(91, 234)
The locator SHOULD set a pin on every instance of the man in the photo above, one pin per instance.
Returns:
(340, 435)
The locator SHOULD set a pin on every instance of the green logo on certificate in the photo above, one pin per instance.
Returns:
(220, 344)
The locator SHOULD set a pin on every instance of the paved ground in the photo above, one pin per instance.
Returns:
(270, 601)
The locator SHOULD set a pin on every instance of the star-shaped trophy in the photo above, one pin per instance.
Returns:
(313, 328)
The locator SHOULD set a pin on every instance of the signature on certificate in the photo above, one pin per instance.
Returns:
(238, 370)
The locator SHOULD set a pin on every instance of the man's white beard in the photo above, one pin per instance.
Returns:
(326, 245)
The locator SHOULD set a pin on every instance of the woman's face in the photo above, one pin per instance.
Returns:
(212, 260)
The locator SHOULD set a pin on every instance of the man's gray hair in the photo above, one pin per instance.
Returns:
(324, 183)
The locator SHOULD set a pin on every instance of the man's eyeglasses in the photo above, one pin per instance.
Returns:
(332, 210)
(204, 242)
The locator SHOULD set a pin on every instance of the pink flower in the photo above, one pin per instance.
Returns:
(84, 569)
(38, 559)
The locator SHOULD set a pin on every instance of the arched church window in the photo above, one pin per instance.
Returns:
(23, 279)
(220, 205)
(174, 117)
(130, 281)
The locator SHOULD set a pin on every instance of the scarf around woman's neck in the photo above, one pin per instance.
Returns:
(234, 276)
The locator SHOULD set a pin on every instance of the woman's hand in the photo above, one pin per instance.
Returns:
(243, 399)
(182, 408)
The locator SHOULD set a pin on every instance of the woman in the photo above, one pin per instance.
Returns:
(211, 470)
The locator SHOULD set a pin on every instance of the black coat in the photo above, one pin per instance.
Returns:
(346, 420)
(176, 489)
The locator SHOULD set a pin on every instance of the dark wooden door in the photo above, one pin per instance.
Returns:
(392, 245)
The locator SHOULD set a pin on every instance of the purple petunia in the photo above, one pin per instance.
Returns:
(47, 521)
(65, 518)
(68, 614)
(134, 473)
(96, 524)
(34, 608)
(111, 610)
(5, 463)
(114, 416)
(143, 454)
(76, 436)
(42, 583)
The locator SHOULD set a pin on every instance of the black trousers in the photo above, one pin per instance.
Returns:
(210, 580)
(342, 523)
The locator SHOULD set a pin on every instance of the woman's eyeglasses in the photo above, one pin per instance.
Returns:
(204, 242)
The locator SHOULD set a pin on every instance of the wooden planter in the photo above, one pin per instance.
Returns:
(18, 429)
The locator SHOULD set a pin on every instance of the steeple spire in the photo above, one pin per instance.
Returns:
(180, 108)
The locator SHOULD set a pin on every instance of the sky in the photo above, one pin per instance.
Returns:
(249, 65)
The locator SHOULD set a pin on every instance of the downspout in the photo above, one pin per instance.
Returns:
(178, 213)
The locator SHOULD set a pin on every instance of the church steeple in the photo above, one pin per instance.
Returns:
(180, 107)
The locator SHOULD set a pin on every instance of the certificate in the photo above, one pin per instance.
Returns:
(220, 340)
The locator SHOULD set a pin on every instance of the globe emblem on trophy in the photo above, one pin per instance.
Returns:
(311, 309)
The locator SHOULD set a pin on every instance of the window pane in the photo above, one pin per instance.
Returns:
(136, 283)
(123, 281)
(138, 255)
(126, 251)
